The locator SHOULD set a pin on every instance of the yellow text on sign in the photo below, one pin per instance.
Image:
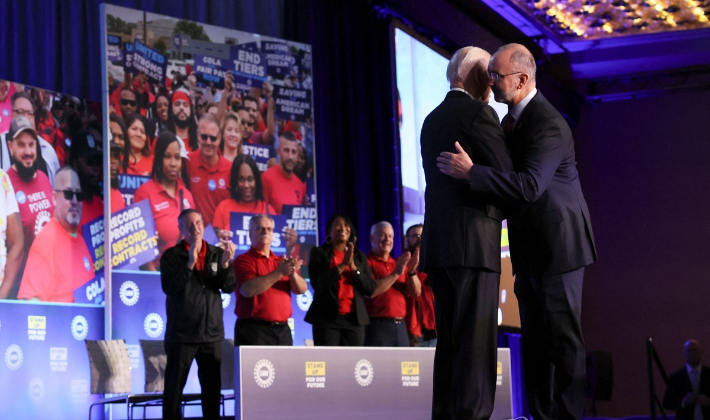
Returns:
(499, 368)
(410, 368)
(37, 322)
(315, 368)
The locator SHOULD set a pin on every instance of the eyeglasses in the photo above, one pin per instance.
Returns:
(23, 112)
(497, 76)
(247, 123)
(206, 137)
(68, 194)
(128, 102)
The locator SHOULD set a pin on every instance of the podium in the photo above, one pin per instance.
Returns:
(345, 383)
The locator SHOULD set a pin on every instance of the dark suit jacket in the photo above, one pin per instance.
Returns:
(550, 231)
(460, 228)
(326, 284)
(679, 387)
(194, 300)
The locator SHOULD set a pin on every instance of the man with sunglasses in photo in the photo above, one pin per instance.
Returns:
(59, 261)
(208, 170)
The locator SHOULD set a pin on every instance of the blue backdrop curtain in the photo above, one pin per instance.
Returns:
(56, 44)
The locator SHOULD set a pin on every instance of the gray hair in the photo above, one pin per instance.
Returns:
(463, 61)
(209, 117)
(521, 59)
(256, 218)
(379, 225)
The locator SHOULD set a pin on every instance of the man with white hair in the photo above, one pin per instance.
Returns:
(461, 239)
(395, 280)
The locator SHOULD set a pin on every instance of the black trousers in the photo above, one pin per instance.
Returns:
(248, 332)
(384, 332)
(554, 358)
(466, 351)
(180, 357)
(344, 331)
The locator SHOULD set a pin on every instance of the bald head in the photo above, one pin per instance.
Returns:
(512, 69)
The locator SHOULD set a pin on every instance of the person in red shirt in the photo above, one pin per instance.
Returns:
(118, 130)
(207, 170)
(231, 133)
(117, 201)
(166, 191)
(281, 185)
(136, 152)
(246, 194)
(421, 321)
(387, 307)
(59, 261)
(264, 285)
(32, 187)
(262, 135)
(181, 120)
(340, 277)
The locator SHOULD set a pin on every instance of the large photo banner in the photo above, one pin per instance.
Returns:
(208, 118)
(51, 250)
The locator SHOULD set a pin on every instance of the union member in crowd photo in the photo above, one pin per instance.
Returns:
(59, 261)
(137, 154)
(166, 191)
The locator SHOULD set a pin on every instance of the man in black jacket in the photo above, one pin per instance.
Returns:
(193, 273)
(689, 389)
(461, 243)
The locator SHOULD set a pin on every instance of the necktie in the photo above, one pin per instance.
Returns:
(508, 125)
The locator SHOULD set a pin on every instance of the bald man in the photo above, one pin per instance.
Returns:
(550, 233)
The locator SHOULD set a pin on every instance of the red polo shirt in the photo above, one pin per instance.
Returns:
(91, 210)
(209, 185)
(275, 303)
(420, 310)
(280, 189)
(201, 254)
(346, 292)
(166, 210)
(225, 208)
(143, 167)
(391, 303)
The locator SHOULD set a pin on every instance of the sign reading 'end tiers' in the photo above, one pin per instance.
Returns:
(345, 383)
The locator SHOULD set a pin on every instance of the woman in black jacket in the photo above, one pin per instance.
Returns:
(340, 277)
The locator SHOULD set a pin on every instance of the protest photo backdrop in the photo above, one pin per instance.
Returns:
(209, 118)
(51, 250)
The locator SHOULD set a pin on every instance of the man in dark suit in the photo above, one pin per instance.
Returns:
(461, 243)
(550, 233)
(688, 392)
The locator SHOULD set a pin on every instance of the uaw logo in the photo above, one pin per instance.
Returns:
(87, 264)
(13, 357)
(304, 300)
(221, 183)
(36, 327)
(129, 293)
(226, 298)
(36, 389)
(211, 184)
(264, 373)
(153, 325)
(41, 221)
(21, 197)
(364, 372)
(79, 327)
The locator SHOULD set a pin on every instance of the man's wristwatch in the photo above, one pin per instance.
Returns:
(412, 274)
